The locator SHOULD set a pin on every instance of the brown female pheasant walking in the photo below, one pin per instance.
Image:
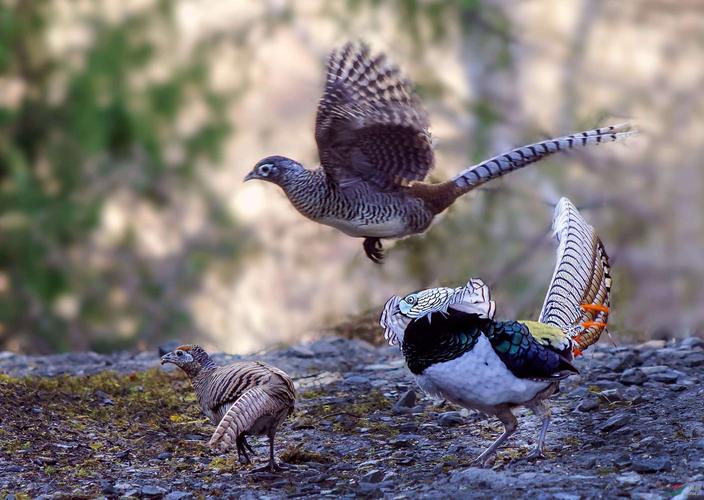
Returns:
(375, 148)
(246, 398)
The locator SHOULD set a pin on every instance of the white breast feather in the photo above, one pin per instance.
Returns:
(392, 228)
(477, 379)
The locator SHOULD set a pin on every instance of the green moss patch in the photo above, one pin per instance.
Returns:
(68, 428)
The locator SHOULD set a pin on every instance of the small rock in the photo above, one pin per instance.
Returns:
(480, 478)
(666, 377)
(178, 495)
(633, 376)
(450, 419)
(107, 488)
(164, 455)
(122, 454)
(652, 344)
(357, 379)
(654, 464)
(369, 488)
(646, 441)
(194, 437)
(611, 395)
(404, 440)
(301, 351)
(615, 422)
(692, 342)
(587, 405)
(104, 398)
(373, 476)
(694, 359)
(153, 491)
(629, 478)
(628, 361)
(633, 394)
(407, 427)
(169, 346)
(587, 461)
(566, 496)
(122, 486)
(407, 401)
(653, 369)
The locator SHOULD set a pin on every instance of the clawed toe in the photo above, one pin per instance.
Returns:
(481, 461)
(535, 454)
(374, 249)
(271, 467)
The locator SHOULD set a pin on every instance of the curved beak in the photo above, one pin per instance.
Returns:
(167, 358)
(250, 176)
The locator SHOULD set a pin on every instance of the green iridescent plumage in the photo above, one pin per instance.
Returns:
(449, 335)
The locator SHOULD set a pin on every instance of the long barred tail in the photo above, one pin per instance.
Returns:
(499, 165)
(579, 294)
(252, 405)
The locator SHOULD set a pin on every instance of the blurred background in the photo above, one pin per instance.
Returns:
(126, 127)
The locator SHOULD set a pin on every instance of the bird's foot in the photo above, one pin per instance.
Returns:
(374, 249)
(483, 460)
(535, 454)
(242, 448)
(272, 467)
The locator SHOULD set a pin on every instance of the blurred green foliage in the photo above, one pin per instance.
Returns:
(84, 125)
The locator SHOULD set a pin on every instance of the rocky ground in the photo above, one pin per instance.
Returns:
(86, 425)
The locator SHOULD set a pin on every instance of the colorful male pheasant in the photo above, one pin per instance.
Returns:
(375, 149)
(458, 351)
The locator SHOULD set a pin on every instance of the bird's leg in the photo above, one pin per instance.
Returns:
(272, 466)
(374, 249)
(510, 425)
(246, 445)
(542, 411)
(242, 447)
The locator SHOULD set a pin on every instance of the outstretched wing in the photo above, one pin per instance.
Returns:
(255, 403)
(370, 124)
(578, 297)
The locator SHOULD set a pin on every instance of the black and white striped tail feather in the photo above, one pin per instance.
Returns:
(578, 297)
(499, 165)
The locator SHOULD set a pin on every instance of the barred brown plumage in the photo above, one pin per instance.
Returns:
(244, 398)
(375, 149)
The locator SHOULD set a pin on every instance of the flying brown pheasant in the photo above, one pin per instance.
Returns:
(375, 148)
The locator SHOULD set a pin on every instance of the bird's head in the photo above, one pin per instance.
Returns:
(273, 169)
(190, 358)
(398, 313)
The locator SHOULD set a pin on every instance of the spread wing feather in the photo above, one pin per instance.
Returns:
(370, 125)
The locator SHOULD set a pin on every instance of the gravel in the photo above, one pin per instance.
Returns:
(629, 425)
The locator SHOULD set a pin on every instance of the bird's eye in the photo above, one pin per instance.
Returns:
(265, 169)
(179, 353)
(411, 299)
